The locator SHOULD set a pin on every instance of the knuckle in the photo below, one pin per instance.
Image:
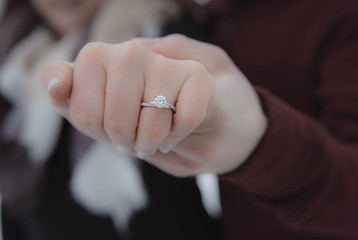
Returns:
(196, 67)
(221, 53)
(177, 38)
(159, 62)
(222, 58)
(131, 50)
(92, 50)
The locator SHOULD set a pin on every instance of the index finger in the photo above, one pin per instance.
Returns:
(180, 47)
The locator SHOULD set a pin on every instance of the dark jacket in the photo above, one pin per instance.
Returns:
(301, 181)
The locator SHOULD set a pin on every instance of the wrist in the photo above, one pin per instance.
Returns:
(246, 131)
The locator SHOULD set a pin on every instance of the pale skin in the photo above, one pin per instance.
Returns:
(218, 123)
(66, 15)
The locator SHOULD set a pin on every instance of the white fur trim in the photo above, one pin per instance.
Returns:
(41, 128)
(32, 121)
(35, 127)
(209, 188)
(108, 183)
(11, 82)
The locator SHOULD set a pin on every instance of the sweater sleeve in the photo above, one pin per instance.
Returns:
(304, 171)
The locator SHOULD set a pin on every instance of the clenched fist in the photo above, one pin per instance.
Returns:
(218, 119)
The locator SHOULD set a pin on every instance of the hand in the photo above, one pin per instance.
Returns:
(218, 122)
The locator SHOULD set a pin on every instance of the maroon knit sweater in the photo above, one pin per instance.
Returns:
(302, 180)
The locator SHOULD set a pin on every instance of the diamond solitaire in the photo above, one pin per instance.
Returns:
(159, 102)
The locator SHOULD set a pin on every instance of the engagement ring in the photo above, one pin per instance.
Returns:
(159, 102)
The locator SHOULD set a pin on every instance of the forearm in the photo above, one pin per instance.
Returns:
(303, 167)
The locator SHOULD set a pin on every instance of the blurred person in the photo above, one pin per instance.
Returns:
(55, 182)
(2, 8)
(280, 133)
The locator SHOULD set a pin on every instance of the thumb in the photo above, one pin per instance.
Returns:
(180, 47)
(56, 78)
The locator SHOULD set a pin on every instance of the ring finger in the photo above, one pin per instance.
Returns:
(155, 123)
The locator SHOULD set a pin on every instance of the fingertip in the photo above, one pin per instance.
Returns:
(143, 155)
(166, 148)
(51, 83)
(56, 79)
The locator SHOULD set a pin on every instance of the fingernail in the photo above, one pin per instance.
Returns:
(51, 83)
(123, 149)
(142, 155)
(166, 148)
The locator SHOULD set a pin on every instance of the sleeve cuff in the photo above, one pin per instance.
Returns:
(277, 156)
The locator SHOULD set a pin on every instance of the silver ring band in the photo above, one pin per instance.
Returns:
(159, 102)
